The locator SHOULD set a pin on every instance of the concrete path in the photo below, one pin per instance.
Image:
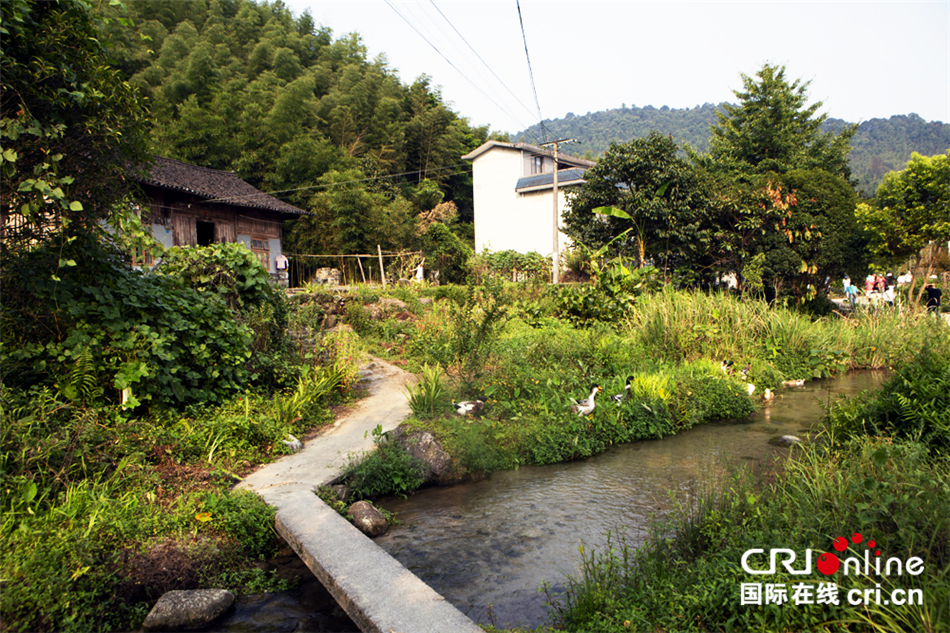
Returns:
(323, 457)
(376, 591)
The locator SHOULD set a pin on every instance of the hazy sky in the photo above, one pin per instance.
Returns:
(864, 59)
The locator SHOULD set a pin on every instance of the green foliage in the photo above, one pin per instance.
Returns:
(448, 254)
(912, 209)
(912, 405)
(249, 87)
(659, 195)
(880, 145)
(149, 334)
(389, 469)
(476, 325)
(428, 397)
(245, 517)
(772, 130)
(73, 131)
(892, 484)
(685, 576)
(230, 271)
(233, 273)
(512, 266)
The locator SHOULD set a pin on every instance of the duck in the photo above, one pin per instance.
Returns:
(750, 387)
(585, 406)
(292, 443)
(768, 396)
(745, 371)
(468, 407)
(726, 366)
(623, 395)
(794, 383)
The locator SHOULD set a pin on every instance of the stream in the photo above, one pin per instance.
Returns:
(488, 546)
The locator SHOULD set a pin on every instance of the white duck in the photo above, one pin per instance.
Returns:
(623, 395)
(468, 407)
(585, 406)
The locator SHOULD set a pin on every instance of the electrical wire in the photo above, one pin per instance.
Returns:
(517, 100)
(468, 170)
(544, 135)
(448, 61)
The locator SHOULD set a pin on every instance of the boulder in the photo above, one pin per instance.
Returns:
(368, 519)
(188, 610)
(423, 446)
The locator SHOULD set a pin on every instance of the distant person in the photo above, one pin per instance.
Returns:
(933, 298)
(851, 291)
(420, 271)
(889, 295)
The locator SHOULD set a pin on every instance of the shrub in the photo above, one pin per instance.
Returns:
(428, 397)
(914, 404)
(107, 324)
(244, 517)
(389, 469)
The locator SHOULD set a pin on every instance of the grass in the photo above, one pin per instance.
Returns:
(889, 486)
(97, 502)
(104, 509)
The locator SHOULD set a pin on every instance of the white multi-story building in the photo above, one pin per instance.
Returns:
(513, 194)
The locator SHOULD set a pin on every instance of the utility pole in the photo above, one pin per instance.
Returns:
(555, 258)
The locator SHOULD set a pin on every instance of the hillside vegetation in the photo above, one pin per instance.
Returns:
(879, 146)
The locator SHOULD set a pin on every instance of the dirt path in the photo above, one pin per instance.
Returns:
(323, 457)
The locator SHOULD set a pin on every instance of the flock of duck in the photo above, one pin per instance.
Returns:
(587, 405)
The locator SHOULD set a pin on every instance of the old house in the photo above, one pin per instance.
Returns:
(196, 206)
(514, 195)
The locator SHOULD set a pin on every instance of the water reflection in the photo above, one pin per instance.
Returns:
(488, 546)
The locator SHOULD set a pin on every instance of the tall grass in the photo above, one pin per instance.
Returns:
(679, 326)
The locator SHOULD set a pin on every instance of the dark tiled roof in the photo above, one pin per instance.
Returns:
(214, 185)
(564, 177)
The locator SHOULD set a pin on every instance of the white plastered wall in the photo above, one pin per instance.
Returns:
(505, 219)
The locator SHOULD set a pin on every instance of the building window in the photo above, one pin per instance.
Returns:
(261, 248)
(537, 165)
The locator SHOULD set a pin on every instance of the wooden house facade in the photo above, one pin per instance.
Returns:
(189, 205)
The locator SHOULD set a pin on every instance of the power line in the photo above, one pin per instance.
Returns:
(480, 59)
(429, 41)
(350, 182)
(448, 61)
(531, 72)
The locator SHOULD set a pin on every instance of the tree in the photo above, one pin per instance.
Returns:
(660, 196)
(912, 210)
(772, 130)
(73, 130)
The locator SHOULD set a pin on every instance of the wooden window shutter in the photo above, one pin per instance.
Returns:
(185, 230)
(224, 233)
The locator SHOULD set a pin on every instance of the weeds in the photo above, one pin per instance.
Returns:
(428, 397)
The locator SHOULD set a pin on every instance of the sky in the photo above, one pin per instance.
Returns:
(863, 60)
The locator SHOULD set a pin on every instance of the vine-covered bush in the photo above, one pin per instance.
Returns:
(233, 273)
(104, 326)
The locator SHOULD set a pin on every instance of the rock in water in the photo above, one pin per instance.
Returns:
(368, 519)
(188, 610)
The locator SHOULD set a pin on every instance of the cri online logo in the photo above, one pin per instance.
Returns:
(829, 563)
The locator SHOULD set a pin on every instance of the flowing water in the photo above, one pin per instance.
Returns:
(488, 546)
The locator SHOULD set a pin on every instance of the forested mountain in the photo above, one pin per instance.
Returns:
(879, 146)
(246, 86)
